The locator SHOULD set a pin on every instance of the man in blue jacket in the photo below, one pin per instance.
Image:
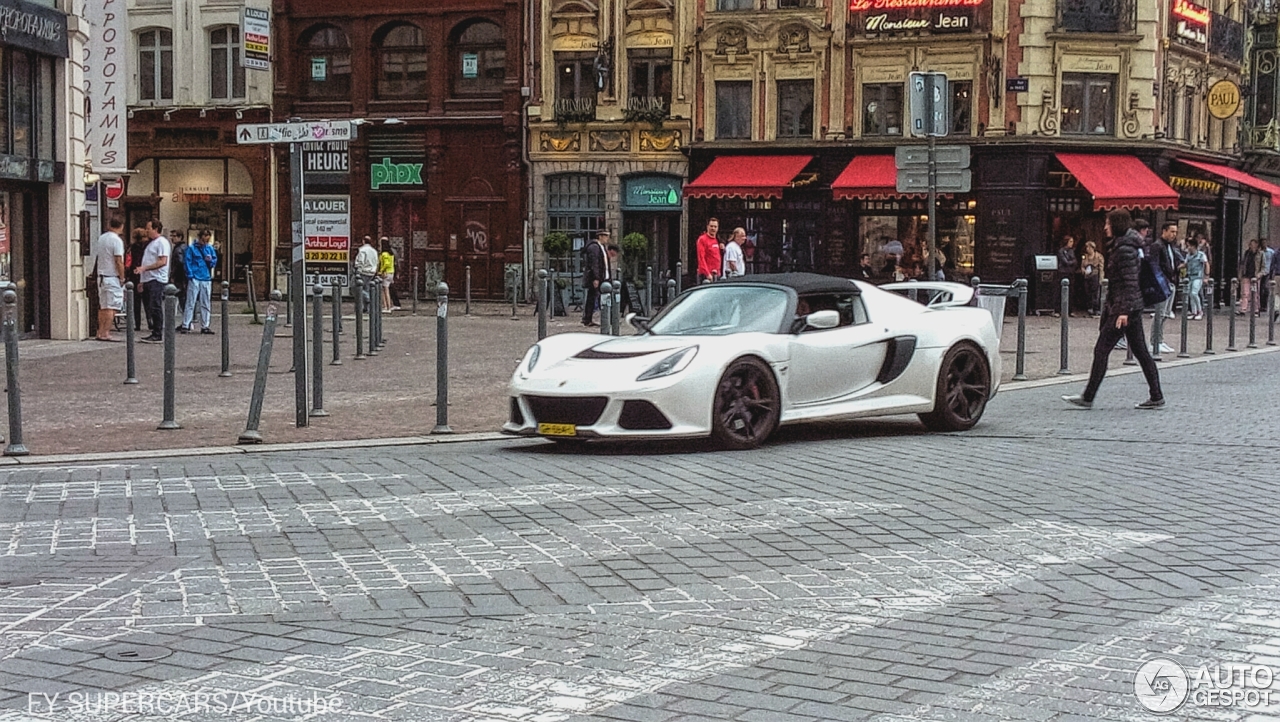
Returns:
(200, 258)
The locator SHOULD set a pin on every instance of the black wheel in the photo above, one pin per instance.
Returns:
(964, 385)
(746, 405)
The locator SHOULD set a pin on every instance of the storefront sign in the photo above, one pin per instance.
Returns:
(400, 174)
(30, 26)
(1190, 23)
(940, 20)
(326, 229)
(1091, 64)
(105, 73)
(325, 157)
(1224, 99)
(650, 193)
(862, 6)
(255, 28)
(1194, 186)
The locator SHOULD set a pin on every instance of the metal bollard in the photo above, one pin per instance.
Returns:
(542, 303)
(335, 303)
(467, 309)
(606, 313)
(515, 290)
(251, 435)
(1253, 317)
(648, 291)
(671, 290)
(224, 304)
(679, 277)
(1186, 319)
(170, 357)
(975, 282)
(382, 336)
(1271, 313)
(1231, 314)
(1066, 326)
(288, 306)
(1157, 332)
(615, 323)
(317, 352)
(1020, 373)
(442, 360)
(371, 303)
(15, 447)
(415, 290)
(130, 364)
(1208, 318)
(359, 299)
(253, 298)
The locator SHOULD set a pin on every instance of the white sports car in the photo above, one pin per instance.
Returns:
(735, 360)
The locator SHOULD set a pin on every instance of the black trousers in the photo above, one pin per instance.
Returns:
(155, 306)
(1108, 337)
(589, 305)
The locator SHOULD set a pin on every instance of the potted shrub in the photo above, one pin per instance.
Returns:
(635, 255)
(557, 246)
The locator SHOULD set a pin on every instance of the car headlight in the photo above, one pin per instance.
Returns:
(673, 364)
(532, 357)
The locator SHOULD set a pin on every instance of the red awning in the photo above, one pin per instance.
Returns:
(747, 176)
(868, 176)
(1238, 176)
(1119, 181)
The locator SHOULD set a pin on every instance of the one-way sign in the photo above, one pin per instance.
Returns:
(305, 131)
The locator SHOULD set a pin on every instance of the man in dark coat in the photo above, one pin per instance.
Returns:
(594, 272)
(1122, 316)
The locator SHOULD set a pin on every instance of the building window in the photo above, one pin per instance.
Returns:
(155, 65)
(46, 118)
(882, 109)
(1096, 16)
(650, 80)
(575, 87)
(1264, 89)
(479, 60)
(402, 62)
(575, 205)
(795, 4)
(226, 73)
(735, 4)
(962, 107)
(1188, 115)
(21, 103)
(795, 108)
(733, 109)
(326, 64)
(1088, 103)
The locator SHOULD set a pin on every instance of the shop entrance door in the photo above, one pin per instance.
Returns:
(21, 213)
(236, 251)
(663, 232)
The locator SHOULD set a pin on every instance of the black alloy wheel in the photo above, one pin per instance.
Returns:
(747, 405)
(964, 385)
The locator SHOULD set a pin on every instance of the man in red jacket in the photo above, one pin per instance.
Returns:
(709, 253)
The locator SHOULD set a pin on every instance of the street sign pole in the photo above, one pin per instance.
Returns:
(297, 284)
(933, 200)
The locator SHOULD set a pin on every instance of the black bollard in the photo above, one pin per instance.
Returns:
(616, 322)
(1186, 319)
(442, 360)
(1208, 318)
(130, 363)
(648, 291)
(679, 277)
(1253, 317)
(1020, 374)
(542, 303)
(515, 290)
(606, 310)
(372, 302)
(170, 357)
(359, 299)
(1231, 314)
(317, 351)
(253, 297)
(1271, 313)
(378, 311)
(15, 447)
(251, 434)
(288, 306)
(335, 299)
(671, 290)
(1157, 331)
(415, 290)
(1065, 313)
(224, 301)
(466, 310)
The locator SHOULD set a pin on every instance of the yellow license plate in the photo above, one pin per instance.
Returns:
(557, 429)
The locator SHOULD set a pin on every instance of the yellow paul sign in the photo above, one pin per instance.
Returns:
(1223, 99)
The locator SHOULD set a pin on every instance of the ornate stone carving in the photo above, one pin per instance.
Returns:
(660, 141)
(561, 141)
(794, 39)
(1048, 113)
(609, 141)
(1129, 124)
(732, 41)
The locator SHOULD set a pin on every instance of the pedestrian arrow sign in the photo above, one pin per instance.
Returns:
(299, 132)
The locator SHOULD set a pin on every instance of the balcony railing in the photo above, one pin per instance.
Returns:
(1096, 16)
(575, 110)
(646, 108)
(1226, 38)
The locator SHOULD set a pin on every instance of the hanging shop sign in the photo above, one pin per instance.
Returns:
(1189, 23)
(326, 228)
(1223, 99)
(106, 67)
(34, 27)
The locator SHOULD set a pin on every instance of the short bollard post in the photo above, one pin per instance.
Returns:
(1020, 374)
(679, 277)
(15, 447)
(224, 301)
(442, 359)
(1231, 314)
(515, 290)
(253, 296)
(288, 306)
(359, 299)
(130, 365)
(1157, 332)
(251, 434)
(467, 273)
(606, 310)
(975, 282)
(648, 291)
(1271, 313)
(317, 351)
(1253, 317)
(375, 321)
(335, 303)
(170, 357)
(615, 323)
(1066, 326)
(542, 303)
(371, 304)
(1208, 318)
(671, 290)
(415, 290)
(1186, 319)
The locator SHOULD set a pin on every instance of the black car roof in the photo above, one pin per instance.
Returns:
(803, 283)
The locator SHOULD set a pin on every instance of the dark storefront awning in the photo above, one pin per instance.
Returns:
(868, 176)
(1238, 176)
(1119, 181)
(747, 176)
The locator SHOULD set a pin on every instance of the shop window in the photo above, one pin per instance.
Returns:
(782, 4)
(1088, 103)
(795, 108)
(1096, 16)
(47, 119)
(326, 64)
(575, 87)
(4, 101)
(650, 81)
(21, 103)
(402, 62)
(898, 243)
(575, 205)
(735, 4)
(479, 60)
(961, 107)
(882, 109)
(1187, 131)
(155, 65)
(733, 109)
(1264, 88)
(226, 72)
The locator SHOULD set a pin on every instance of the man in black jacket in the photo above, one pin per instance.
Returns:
(594, 272)
(1122, 316)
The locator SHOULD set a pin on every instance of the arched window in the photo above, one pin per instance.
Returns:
(226, 73)
(402, 62)
(155, 65)
(479, 60)
(326, 64)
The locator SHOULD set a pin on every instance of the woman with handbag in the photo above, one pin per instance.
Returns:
(1122, 315)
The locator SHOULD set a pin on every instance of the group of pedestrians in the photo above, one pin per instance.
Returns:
(720, 259)
(377, 267)
(1259, 265)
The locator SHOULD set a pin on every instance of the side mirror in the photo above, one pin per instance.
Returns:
(823, 319)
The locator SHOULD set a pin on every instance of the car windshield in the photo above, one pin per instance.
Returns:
(722, 310)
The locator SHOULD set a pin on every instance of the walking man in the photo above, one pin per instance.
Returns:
(154, 272)
(367, 263)
(109, 258)
(1122, 316)
(708, 249)
(734, 265)
(201, 259)
(594, 271)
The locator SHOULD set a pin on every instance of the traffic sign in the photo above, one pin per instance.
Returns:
(301, 132)
(948, 156)
(950, 180)
(930, 106)
(113, 189)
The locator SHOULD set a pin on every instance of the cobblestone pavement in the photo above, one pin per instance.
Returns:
(867, 571)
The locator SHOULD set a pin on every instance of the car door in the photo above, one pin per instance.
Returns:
(829, 364)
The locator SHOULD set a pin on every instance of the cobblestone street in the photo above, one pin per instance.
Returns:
(869, 571)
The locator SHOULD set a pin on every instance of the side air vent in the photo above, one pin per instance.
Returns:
(896, 358)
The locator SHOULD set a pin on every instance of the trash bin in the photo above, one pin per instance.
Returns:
(995, 306)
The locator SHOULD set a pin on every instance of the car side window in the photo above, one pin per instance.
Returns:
(852, 310)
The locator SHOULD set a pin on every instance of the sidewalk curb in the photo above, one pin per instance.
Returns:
(1126, 370)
